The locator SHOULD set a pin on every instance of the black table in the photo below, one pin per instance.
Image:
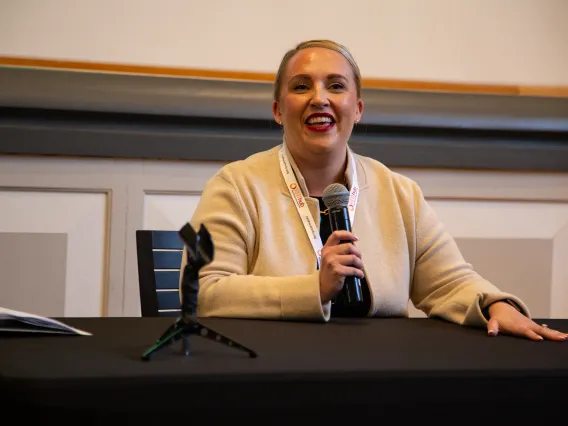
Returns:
(344, 372)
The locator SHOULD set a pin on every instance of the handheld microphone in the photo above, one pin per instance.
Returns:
(336, 199)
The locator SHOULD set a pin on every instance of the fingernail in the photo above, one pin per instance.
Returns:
(492, 333)
(540, 338)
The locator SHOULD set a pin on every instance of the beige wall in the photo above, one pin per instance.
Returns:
(521, 42)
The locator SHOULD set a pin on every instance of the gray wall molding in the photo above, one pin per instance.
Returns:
(55, 112)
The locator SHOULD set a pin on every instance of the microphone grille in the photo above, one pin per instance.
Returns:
(336, 195)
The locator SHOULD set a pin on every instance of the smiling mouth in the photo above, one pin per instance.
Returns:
(320, 123)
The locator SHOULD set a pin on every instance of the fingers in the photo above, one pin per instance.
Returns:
(531, 334)
(349, 260)
(345, 265)
(348, 271)
(341, 249)
(338, 262)
(531, 331)
(493, 330)
(344, 255)
(551, 334)
(492, 327)
(341, 236)
(333, 274)
(539, 332)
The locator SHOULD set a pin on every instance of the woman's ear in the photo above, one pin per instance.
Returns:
(359, 112)
(276, 112)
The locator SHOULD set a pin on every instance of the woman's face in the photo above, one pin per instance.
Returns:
(318, 102)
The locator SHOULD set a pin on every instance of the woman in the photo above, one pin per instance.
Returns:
(275, 256)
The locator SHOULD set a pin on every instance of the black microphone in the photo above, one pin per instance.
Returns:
(336, 199)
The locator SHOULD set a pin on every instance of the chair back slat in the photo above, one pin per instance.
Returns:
(166, 240)
(167, 259)
(168, 299)
(174, 313)
(167, 280)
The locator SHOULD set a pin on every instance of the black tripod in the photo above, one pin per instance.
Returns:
(199, 253)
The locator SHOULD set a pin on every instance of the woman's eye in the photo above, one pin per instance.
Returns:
(337, 86)
(301, 86)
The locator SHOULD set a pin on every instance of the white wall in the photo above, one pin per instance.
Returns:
(521, 42)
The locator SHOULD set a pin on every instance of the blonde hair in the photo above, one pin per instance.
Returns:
(326, 44)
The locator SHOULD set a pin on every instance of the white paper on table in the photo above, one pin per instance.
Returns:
(18, 321)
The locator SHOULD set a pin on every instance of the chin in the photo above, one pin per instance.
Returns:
(323, 144)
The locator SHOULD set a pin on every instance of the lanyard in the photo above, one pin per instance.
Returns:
(301, 205)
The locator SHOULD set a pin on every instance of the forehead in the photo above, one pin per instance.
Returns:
(318, 61)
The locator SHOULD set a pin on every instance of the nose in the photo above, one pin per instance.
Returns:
(319, 98)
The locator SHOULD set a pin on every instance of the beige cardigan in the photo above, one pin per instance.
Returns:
(265, 267)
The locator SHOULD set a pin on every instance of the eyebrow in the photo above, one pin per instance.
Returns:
(329, 77)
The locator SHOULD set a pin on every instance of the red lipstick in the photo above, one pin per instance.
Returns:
(320, 122)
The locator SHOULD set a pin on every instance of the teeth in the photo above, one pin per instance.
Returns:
(318, 120)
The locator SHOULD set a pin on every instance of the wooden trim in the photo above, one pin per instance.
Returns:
(548, 91)
(557, 91)
(134, 69)
(440, 86)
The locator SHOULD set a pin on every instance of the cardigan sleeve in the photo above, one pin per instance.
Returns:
(444, 284)
(227, 289)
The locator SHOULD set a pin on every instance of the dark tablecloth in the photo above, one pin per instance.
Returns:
(345, 371)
